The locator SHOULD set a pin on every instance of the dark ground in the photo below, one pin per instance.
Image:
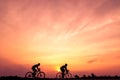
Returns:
(85, 78)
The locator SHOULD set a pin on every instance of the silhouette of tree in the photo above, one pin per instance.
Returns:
(76, 76)
(93, 75)
(84, 76)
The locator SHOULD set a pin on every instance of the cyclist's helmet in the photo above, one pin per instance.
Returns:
(65, 64)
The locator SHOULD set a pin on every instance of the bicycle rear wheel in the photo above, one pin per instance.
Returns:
(28, 75)
(41, 75)
(58, 75)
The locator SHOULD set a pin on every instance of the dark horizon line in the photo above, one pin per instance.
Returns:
(75, 76)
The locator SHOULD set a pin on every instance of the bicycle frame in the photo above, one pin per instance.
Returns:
(38, 74)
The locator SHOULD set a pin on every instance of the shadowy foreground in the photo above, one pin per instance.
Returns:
(81, 78)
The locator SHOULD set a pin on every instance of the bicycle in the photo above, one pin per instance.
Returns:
(39, 74)
(66, 75)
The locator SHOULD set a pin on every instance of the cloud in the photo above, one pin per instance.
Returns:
(92, 61)
(107, 7)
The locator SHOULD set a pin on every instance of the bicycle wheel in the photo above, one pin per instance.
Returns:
(41, 75)
(28, 75)
(58, 75)
(69, 75)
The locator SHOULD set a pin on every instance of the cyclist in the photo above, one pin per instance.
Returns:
(64, 70)
(35, 68)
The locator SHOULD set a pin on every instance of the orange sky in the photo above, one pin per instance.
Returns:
(83, 33)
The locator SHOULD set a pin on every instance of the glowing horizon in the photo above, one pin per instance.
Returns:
(83, 33)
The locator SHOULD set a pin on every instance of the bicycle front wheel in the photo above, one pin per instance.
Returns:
(58, 75)
(28, 75)
(69, 75)
(41, 75)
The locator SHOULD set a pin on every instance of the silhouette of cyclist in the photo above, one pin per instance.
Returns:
(35, 68)
(64, 70)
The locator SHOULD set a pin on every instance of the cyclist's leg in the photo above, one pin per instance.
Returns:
(63, 73)
(34, 72)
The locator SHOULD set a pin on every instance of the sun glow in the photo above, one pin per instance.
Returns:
(58, 69)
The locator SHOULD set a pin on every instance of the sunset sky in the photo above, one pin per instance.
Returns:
(83, 33)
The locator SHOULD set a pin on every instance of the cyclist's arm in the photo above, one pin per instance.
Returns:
(66, 69)
(37, 68)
